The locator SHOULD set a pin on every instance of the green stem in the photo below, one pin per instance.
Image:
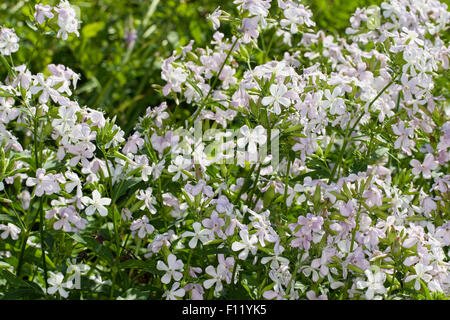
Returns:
(22, 223)
(250, 196)
(24, 244)
(203, 104)
(22, 252)
(37, 45)
(297, 265)
(286, 183)
(356, 228)
(109, 171)
(41, 231)
(186, 272)
(234, 273)
(348, 134)
(6, 64)
(266, 52)
(244, 185)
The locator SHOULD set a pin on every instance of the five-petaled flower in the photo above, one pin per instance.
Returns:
(175, 292)
(56, 284)
(277, 98)
(428, 165)
(421, 274)
(246, 245)
(198, 234)
(171, 269)
(10, 230)
(96, 203)
(252, 137)
(374, 284)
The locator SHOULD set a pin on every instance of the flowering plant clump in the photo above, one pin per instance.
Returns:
(312, 166)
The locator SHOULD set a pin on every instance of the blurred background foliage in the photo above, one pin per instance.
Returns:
(117, 77)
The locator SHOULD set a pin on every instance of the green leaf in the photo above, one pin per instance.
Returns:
(125, 188)
(90, 30)
(250, 285)
(135, 294)
(6, 218)
(101, 251)
(139, 264)
(293, 128)
(18, 284)
(317, 195)
(425, 289)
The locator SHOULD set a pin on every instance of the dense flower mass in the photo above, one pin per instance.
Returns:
(312, 166)
(8, 41)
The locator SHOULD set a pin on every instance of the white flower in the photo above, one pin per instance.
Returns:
(247, 244)
(249, 29)
(134, 143)
(46, 86)
(75, 183)
(148, 198)
(8, 111)
(198, 234)
(67, 21)
(126, 214)
(201, 187)
(99, 281)
(157, 169)
(68, 215)
(252, 137)
(56, 284)
(179, 165)
(118, 137)
(174, 292)
(291, 20)
(75, 270)
(275, 259)
(10, 230)
(215, 18)
(217, 277)
(277, 97)
(9, 42)
(374, 197)
(411, 36)
(336, 104)
(421, 274)
(374, 284)
(311, 295)
(174, 77)
(97, 203)
(171, 269)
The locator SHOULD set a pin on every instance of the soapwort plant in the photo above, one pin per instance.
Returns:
(312, 166)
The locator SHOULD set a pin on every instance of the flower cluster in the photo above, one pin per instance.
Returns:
(67, 18)
(9, 42)
(356, 207)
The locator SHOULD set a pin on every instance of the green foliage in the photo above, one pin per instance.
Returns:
(333, 15)
(121, 79)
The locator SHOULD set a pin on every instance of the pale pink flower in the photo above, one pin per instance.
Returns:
(428, 165)
(171, 269)
(43, 12)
